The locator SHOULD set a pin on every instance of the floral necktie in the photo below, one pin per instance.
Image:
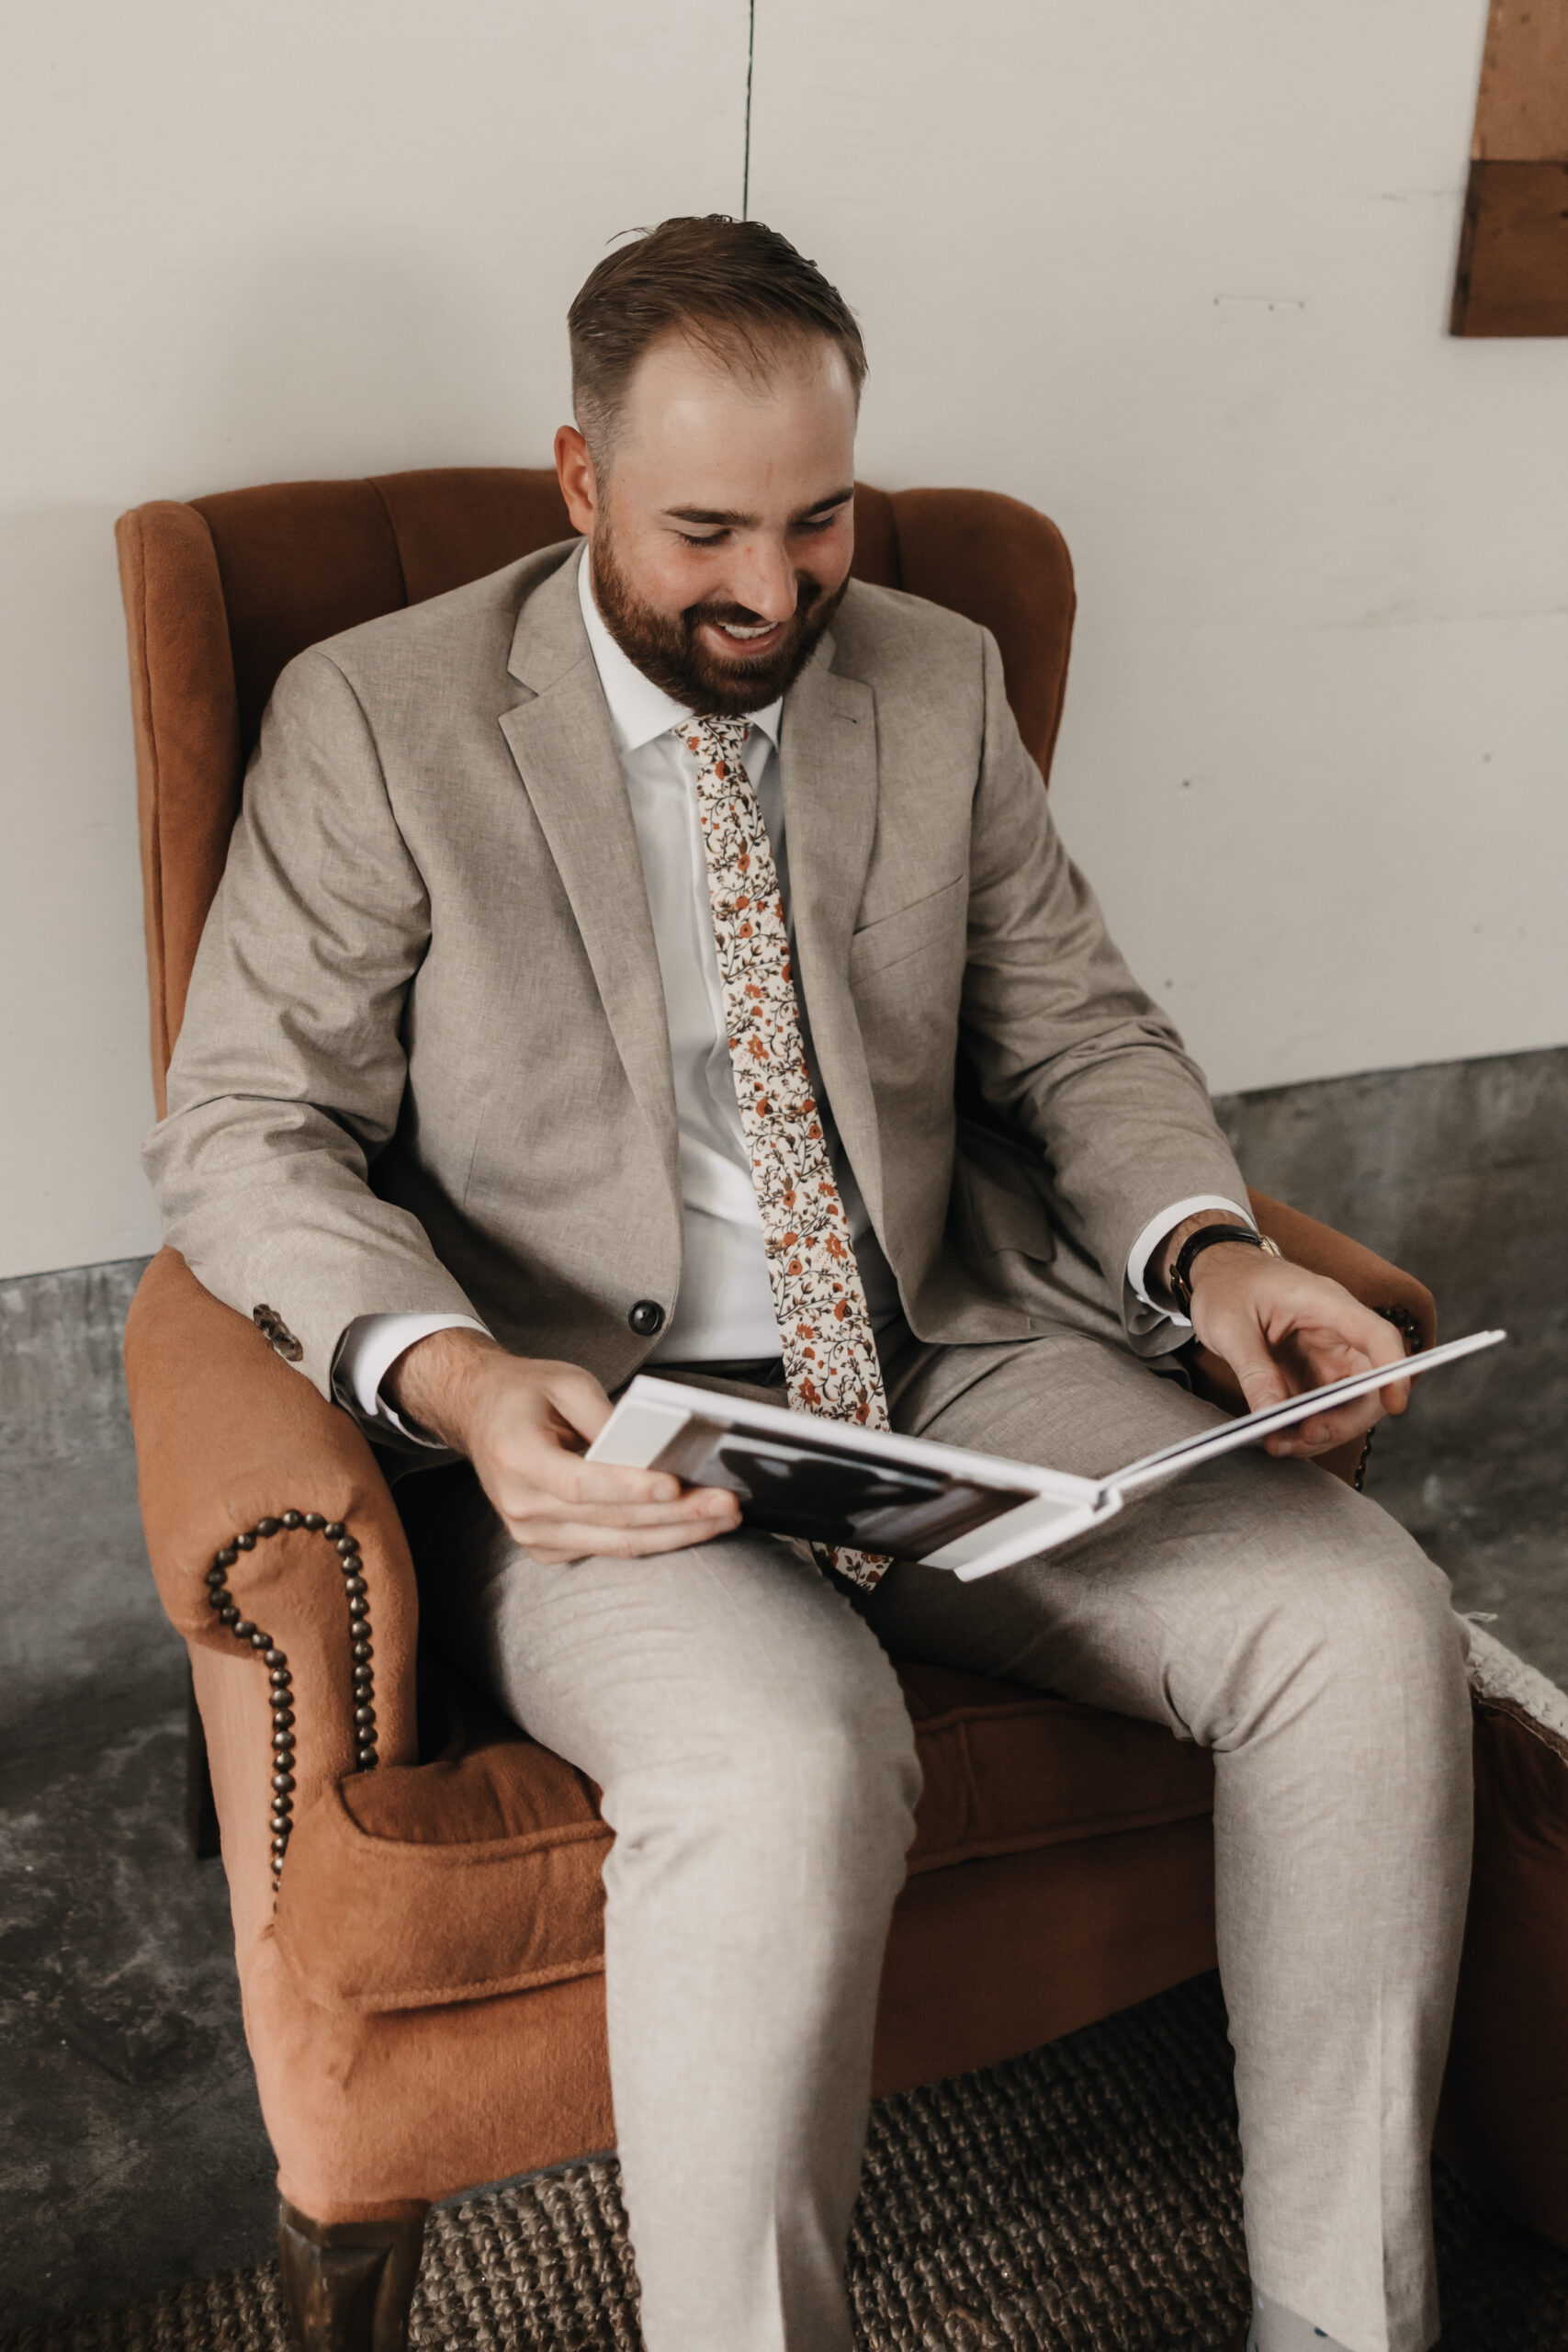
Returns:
(830, 1356)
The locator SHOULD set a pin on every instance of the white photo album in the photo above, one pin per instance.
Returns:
(832, 1482)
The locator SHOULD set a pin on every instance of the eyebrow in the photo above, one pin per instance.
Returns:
(714, 515)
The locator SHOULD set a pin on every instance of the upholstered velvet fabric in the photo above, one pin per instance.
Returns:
(187, 744)
(373, 2112)
(479, 1873)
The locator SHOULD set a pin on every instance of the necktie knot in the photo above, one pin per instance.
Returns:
(712, 738)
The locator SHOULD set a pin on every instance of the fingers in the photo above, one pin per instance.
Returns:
(545, 1462)
(577, 1397)
(1324, 1432)
(1345, 1422)
(559, 1507)
(1361, 1342)
(1376, 1341)
(539, 1445)
(552, 1539)
(1283, 1330)
(528, 1451)
(702, 1507)
(1239, 1339)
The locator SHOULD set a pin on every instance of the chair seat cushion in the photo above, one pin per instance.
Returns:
(479, 1873)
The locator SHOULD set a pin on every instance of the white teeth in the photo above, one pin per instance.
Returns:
(761, 629)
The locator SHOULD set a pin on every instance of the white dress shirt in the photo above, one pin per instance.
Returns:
(725, 1308)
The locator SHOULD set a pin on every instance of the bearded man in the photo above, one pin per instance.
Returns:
(599, 950)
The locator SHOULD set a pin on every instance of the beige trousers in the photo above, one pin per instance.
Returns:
(757, 1765)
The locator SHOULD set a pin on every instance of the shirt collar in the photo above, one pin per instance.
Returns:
(639, 711)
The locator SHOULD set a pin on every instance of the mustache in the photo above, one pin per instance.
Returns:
(808, 595)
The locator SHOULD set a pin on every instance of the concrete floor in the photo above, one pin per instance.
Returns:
(132, 2156)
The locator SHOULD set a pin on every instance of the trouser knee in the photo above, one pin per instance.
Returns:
(783, 1815)
(1353, 1627)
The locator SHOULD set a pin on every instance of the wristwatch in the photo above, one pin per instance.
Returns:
(1178, 1281)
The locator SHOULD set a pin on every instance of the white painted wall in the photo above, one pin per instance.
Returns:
(1314, 747)
(1179, 275)
(251, 240)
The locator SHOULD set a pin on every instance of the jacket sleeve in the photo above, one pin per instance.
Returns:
(289, 1071)
(1065, 1045)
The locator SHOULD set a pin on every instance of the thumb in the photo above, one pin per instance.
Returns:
(1244, 1348)
(580, 1400)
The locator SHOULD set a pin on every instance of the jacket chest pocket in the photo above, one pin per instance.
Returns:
(897, 938)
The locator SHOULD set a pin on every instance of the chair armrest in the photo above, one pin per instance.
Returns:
(1361, 1271)
(250, 1482)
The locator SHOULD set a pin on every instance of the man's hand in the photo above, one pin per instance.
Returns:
(525, 1424)
(1282, 1330)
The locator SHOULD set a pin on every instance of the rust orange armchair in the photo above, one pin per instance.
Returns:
(416, 1883)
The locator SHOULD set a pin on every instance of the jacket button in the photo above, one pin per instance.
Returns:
(647, 1318)
(277, 1333)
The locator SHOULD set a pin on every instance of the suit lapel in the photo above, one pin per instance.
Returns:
(566, 755)
(827, 774)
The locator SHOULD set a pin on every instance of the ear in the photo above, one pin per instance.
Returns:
(574, 471)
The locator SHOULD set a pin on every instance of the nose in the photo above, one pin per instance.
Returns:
(762, 578)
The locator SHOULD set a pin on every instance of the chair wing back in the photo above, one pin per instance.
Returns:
(222, 593)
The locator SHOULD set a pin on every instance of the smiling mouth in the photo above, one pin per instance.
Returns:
(749, 633)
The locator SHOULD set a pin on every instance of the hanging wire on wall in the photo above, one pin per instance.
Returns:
(746, 164)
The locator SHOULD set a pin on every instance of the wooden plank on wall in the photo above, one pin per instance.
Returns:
(1521, 114)
(1513, 265)
(1513, 261)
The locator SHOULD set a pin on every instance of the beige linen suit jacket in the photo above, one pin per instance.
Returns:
(424, 1064)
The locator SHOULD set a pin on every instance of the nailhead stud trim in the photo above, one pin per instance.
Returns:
(346, 1550)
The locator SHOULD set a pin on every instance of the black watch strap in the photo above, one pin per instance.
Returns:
(1178, 1281)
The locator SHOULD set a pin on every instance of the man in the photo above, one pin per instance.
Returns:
(497, 1079)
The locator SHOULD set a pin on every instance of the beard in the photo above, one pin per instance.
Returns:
(667, 649)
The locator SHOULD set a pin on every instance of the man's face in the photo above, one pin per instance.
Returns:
(721, 539)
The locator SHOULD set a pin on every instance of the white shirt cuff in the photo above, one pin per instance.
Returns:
(1158, 1230)
(367, 1352)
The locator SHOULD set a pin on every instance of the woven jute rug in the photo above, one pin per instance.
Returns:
(1083, 2199)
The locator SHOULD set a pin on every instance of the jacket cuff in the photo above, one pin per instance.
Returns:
(367, 1352)
(1158, 1229)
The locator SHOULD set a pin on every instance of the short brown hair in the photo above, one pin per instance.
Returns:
(735, 286)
